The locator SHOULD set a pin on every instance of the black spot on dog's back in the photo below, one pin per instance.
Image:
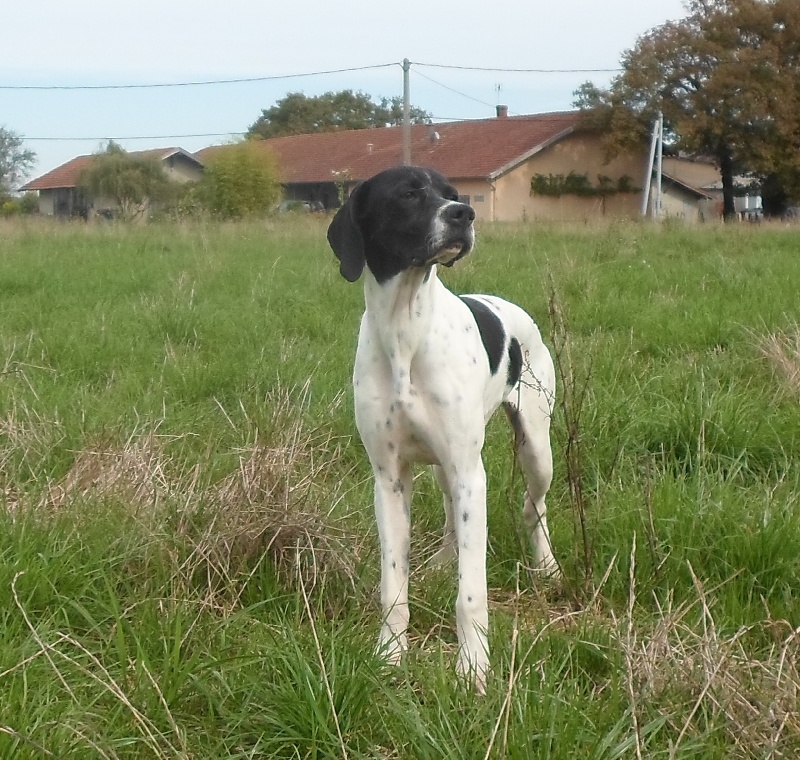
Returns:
(491, 330)
(514, 363)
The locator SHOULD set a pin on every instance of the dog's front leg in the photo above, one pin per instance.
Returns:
(393, 487)
(468, 490)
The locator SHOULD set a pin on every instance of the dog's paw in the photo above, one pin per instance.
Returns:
(547, 568)
(391, 646)
(473, 673)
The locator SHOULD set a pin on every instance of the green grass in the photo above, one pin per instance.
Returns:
(188, 566)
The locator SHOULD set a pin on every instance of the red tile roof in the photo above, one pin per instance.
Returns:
(68, 174)
(460, 150)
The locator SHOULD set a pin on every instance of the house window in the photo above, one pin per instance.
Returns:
(463, 199)
(478, 199)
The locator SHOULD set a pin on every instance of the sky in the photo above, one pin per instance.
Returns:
(50, 45)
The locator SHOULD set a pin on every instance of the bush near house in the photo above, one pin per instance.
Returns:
(240, 180)
(27, 203)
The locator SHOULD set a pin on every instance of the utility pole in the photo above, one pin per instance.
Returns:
(648, 177)
(654, 161)
(659, 165)
(406, 113)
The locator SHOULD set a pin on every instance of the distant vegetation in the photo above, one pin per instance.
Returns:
(298, 114)
(134, 182)
(15, 162)
(727, 80)
(240, 180)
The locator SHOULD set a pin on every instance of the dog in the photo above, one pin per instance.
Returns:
(430, 370)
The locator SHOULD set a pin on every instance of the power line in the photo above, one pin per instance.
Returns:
(241, 80)
(136, 137)
(213, 135)
(278, 77)
(457, 92)
(516, 71)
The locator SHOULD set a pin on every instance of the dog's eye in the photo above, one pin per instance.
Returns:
(410, 194)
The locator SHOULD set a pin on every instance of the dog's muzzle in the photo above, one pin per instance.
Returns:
(449, 255)
(456, 234)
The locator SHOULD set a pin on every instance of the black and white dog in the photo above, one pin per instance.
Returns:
(430, 370)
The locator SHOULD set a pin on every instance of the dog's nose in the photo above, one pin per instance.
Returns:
(459, 213)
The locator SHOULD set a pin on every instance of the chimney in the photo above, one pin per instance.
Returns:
(502, 112)
(369, 147)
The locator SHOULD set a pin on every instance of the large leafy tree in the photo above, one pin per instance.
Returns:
(331, 112)
(131, 181)
(15, 161)
(726, 78)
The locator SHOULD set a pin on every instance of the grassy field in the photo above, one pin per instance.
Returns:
(188, 564)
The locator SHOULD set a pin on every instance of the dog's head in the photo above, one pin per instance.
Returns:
(402, 218)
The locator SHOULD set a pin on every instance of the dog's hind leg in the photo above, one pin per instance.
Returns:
(447, 551)
(529, 413)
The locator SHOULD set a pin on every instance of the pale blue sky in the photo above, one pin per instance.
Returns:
(94, 42)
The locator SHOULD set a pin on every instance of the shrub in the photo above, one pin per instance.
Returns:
(28, 203)
(240, 180)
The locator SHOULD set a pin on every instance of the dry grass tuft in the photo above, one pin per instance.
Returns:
(782, 350)
(282, 504)
(134, 474)
(25, 437)
(698, 675)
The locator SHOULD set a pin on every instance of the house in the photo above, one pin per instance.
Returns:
(59, 191)
(691, 189)
(492, 162)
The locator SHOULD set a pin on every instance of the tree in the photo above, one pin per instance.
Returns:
(240, 179)
(726, 78)
(15, 163)
(132, 182)
(334, 111)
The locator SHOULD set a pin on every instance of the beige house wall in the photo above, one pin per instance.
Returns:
(583, 154)
(508, 197)
(479, 194)
(677, 204)
(694, 173)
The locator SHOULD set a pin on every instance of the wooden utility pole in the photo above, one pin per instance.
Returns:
(406, 113)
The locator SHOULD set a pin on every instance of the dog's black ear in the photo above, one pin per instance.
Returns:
(345, 237)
